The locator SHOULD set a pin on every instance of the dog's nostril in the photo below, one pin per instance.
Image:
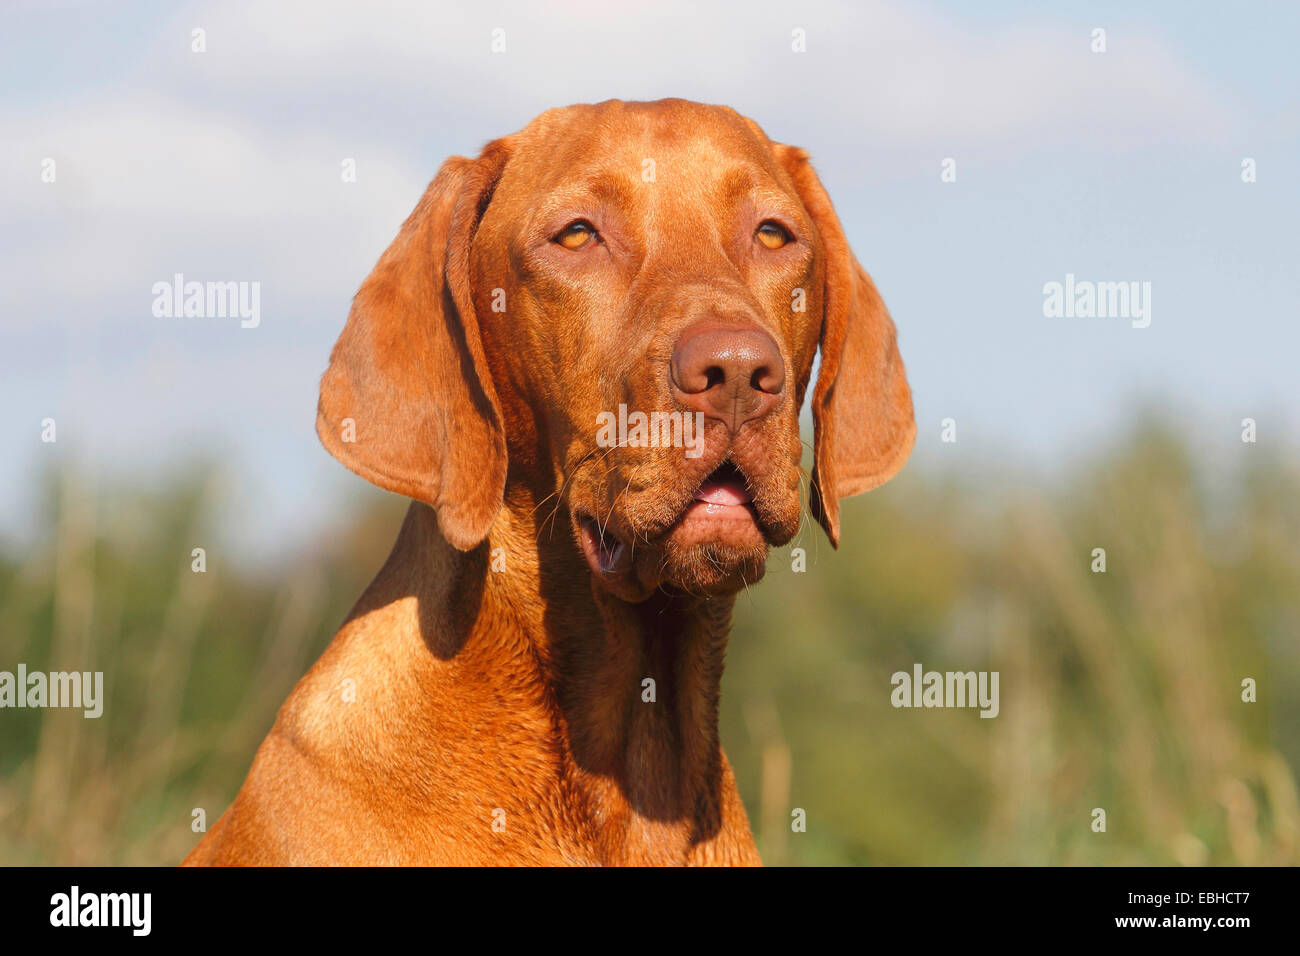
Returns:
(765, 379)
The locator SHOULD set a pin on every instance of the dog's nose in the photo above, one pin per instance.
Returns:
(732, 374)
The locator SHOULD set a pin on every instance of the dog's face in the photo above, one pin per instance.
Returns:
(622, 305)
(649, 260)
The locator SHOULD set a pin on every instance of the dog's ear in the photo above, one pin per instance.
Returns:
(863, 429)
(407, 402)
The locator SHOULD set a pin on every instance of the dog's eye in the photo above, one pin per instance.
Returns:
(576, 235)
(772, 234)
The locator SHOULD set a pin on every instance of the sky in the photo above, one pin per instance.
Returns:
(1122, 165)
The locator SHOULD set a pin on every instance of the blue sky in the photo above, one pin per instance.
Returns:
(224, 165)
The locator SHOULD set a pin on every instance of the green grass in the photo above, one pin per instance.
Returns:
(1119, 690)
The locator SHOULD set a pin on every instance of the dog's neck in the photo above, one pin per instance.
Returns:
(631, 690)
(638, 687)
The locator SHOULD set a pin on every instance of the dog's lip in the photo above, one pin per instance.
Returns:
(725, 486)
(722, 499)
(605, 552)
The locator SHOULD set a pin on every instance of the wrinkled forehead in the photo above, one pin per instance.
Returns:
(693, 155)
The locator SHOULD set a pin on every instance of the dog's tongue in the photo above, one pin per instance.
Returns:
(727, 491)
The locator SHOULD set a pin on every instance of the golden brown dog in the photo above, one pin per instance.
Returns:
(533, 676)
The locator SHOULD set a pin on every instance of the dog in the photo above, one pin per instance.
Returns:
(533, 676)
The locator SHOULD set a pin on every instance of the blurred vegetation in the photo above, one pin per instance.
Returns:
(1119, 690)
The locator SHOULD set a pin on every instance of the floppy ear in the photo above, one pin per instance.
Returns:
(863, 429)
(407, 402)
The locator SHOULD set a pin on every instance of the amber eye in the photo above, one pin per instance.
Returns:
(576, 235)
(772, 234)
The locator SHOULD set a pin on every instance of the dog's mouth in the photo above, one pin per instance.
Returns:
(717, 536)
(606, 553)
(726, 487)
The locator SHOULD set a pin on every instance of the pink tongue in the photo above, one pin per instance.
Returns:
(722, 493)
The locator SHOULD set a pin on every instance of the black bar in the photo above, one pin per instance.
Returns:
(330, 905)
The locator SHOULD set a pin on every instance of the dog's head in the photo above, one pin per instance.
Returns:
(615, 312)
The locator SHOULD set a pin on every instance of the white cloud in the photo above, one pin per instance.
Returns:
(164, 175)
(145, 182)
(905, 73)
